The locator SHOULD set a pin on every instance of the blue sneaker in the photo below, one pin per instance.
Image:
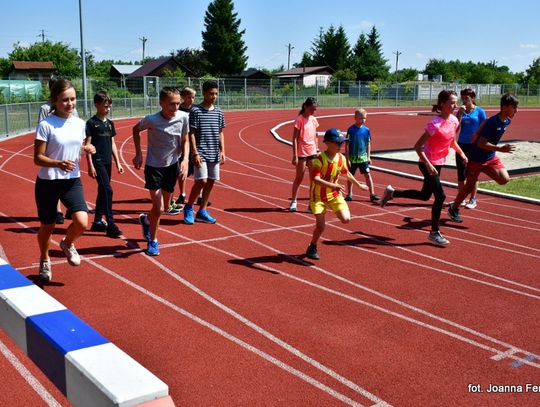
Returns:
(189, 219)
(143, 220)
(153, 248)
(204, 216)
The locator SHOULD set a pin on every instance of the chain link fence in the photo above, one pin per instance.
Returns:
(138, 97)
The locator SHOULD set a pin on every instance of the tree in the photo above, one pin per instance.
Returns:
(5, 66)
(368, 60)
(532, 74)
(193, 60)
(329, 48)
(223, 46)
(67, 61)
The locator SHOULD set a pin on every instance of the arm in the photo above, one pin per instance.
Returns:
(295, 146)
(369, 152)
(335, 187)
(138, 159)
(486, 145)
(42, 160)
(420, 151)
(116, 158)
(351, 178)
(193, 146)
(91, 169)
(222, 147)
(458, 150)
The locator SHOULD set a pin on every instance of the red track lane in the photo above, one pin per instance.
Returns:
(233, 314)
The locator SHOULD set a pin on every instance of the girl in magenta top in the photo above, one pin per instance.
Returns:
(432, 149)
(304, 145)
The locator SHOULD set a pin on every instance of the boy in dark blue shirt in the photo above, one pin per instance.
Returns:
(482, 156)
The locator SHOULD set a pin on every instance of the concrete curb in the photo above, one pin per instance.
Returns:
(84, 365)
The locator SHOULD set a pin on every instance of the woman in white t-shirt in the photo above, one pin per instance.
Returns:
(57, 150)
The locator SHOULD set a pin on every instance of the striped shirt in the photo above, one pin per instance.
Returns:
(327, 170)
(207, 124)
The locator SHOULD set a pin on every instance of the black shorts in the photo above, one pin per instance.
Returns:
(163, 178)
(48, 192)
(460, 165)
(363, 167)
(308, 158)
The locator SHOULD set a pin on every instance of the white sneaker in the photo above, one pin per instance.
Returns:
(45, 272)
(73, 257)
(388, 195)
(437, 238)
(471, 204)
(292, 207)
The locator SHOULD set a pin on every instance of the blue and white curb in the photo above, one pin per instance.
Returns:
(84, 365)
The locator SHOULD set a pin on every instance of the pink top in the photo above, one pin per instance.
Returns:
(441, 133)
(307, 144)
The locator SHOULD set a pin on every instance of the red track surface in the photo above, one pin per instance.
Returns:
(231, 314)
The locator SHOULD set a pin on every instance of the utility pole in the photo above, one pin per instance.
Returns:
(397, 54)
(83, 57)
(42, 35)
(289, 48)
(143, 39)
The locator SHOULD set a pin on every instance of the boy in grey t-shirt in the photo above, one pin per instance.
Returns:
(167, 141)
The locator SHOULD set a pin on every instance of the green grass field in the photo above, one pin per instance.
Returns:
(528, 186)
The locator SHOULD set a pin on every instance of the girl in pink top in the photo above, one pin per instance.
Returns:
(432, 148)
(304, 145)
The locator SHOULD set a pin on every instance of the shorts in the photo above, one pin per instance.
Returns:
(461, 167)
(308, 158)
(163, 178)
(494, 163)
(336, 204)
(48, 192)
(363, 167)
(207, 171)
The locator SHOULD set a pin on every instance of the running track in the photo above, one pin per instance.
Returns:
(232, 314)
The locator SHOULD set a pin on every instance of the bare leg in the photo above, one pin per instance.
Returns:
(299, 177)
(78, 225)
(44, 240)
(320, 224)
(206, 193)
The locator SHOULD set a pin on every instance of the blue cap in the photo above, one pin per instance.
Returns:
(333, 135)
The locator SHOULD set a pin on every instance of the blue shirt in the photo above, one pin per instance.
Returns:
(358, 139)
(470, 123)
(492, 131)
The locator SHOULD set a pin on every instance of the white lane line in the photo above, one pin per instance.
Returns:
(28, 376)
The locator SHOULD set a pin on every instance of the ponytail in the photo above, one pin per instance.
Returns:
(310, 101)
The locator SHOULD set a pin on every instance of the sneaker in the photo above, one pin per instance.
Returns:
(172, 210)
(153, 248)
(45, 272)
(388, 195)
(73, 257)
(454, 214)
(98, 226)
(143, 220)
(312, 253)
(374, 198)
(471, 204)
(348, 198)
(204, 216)
(292, 206)
(59, 220)
(437, 238)
(113, 231)
(189, 218)
(199, 201)
(181, 200)
(451, 203)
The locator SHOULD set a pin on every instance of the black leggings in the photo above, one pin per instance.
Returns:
(432, 185)
(105, 192)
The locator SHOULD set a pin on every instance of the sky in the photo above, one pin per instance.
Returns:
(482, 31)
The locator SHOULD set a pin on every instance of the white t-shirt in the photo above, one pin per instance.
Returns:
(164, 138)
(64, 138)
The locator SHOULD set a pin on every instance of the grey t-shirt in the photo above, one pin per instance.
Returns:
(45, 111)
(164, 138)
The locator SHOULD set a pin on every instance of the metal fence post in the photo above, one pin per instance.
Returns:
(245, 94)
(29, 114)
(6, 118)
(271, 93)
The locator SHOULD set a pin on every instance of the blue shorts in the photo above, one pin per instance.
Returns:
(363, 167)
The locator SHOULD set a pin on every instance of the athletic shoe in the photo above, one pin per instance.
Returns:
(189, 218)
(312, 253)
(172, 210)
(113, 231)
(388, 195)
(451, 203)
(437, 238)
(471, 204)
(199, 201)
(98, 226)
(292, 206)
(348, 198)
(374, 198)
(45, 272)
(143, 220)
(59, 220)
(454, 214)
(181, 200)
(204, 216)
(73, 257)
(153, 248)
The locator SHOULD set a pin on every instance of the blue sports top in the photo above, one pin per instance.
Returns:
(470, 123)
(492, 131)
(358, 139)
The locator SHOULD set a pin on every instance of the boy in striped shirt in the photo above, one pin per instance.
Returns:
(326, 192)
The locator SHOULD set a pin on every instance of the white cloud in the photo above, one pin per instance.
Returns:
(98, 50)
(529, 46)
(419, 55)
(364, 25)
